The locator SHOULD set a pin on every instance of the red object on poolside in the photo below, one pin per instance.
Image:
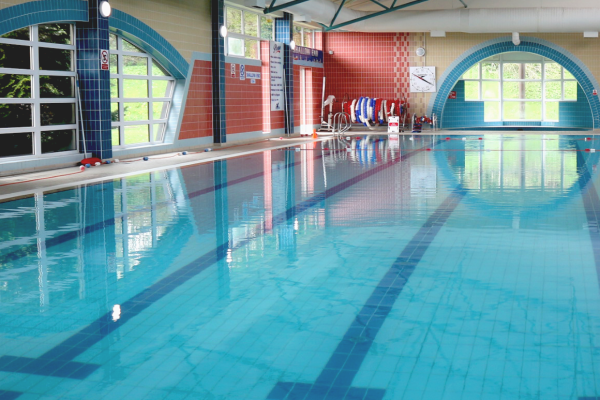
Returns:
(480, 138)
(91, 161)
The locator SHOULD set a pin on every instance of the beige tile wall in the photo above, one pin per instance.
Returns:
(441, 52)
(184, 23)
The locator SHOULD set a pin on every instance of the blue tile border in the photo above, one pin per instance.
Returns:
(504, 44)
(39, 12)
(150, 41)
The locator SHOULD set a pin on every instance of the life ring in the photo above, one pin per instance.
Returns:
(384, 110)
(352, 112)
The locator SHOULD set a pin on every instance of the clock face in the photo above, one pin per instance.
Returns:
(422, 79)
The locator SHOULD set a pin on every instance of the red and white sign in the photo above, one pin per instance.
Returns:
(233, 70)
(595, 92)
(452, 96)
(104, 60)
(393, 124)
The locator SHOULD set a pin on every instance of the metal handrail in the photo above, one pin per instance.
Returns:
(341, 123)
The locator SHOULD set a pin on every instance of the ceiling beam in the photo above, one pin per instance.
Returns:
(379, 4)
(272, 8)
(373, 15)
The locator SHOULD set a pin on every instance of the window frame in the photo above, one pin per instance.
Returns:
(543, 61)
(242, 36)
(167, 101)
(36, 100)
(302, 30)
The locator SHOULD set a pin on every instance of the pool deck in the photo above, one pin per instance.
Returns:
(24, 185)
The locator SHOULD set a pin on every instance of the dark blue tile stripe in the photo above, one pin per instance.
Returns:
(335, 379)
(27, 250)
(9, 395)
(100, 328)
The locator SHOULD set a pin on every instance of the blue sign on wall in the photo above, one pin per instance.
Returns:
(308, 54)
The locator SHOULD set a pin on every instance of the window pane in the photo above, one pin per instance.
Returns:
(112, 42)
(159, 110)
(55, 33)
(16, 144)
(570, 90)
(533, 90)
(160, 89)
(533, 71)
(252, 49)
(116, 139)
(491, 90)
(250, 24)
(158, 132)
(12, 56)
(553, 71)
(135, 88)
(128, 46)
(511, 90)
(114, 112)
(235, 46)
(266, 28)
(553, 91)
(551, 111)
(297, 37)
(471, 90)
(491, 111)
(234, 20)
(137, 134)
(533, 110)
(57, 113)
(19, 34)
(15, 115)
(55, 60)
(135, 111)
(114, 64)
(490, 70)
(472, 73)
(511, 71)
(308, 38)
(133, 65)
(55, 141)
(157, 70)
(114, 88)
(568, 75)
(512, 110)
(15, 86)
(57, 86)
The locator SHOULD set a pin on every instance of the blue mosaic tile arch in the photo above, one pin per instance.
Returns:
(150, 41)
(40, 12)
(542, 47)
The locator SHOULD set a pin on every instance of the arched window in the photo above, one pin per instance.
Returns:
(37, 91)
(520, 86)
(141, 93)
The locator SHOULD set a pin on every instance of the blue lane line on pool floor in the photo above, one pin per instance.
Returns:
(334, 382)
(58, 360)
(591, 204)
(27, 250)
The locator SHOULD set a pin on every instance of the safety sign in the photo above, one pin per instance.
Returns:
(104, 60)
(393, 124)
(242, 72)
(233, 70)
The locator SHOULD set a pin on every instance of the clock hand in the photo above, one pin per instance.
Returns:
(421, 78)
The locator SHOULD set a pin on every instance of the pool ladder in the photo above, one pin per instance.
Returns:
(341, 123)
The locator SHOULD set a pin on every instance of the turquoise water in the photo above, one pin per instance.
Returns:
(402, 269)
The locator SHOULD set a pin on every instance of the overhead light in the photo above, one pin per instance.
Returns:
(105, 9)
(590, 34)
(516, 38)
(438, 34)
(223, 31)
(293, 45)
(302, 18)
(420, 52)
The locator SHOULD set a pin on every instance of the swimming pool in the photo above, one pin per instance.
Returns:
(408, 268)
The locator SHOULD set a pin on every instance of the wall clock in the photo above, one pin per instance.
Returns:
(422, 80)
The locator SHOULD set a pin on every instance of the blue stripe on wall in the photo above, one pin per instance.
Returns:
(39, 12)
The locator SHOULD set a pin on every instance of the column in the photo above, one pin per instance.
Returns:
(218, 72)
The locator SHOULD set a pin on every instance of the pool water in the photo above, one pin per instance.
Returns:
(417, 267)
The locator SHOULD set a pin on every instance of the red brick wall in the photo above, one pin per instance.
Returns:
(366, 64)
(197, 117)
(243, 101)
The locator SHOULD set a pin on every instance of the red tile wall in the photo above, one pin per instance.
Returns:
(243, 101)
(366, 64)
(197, 116)
(317, 91)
